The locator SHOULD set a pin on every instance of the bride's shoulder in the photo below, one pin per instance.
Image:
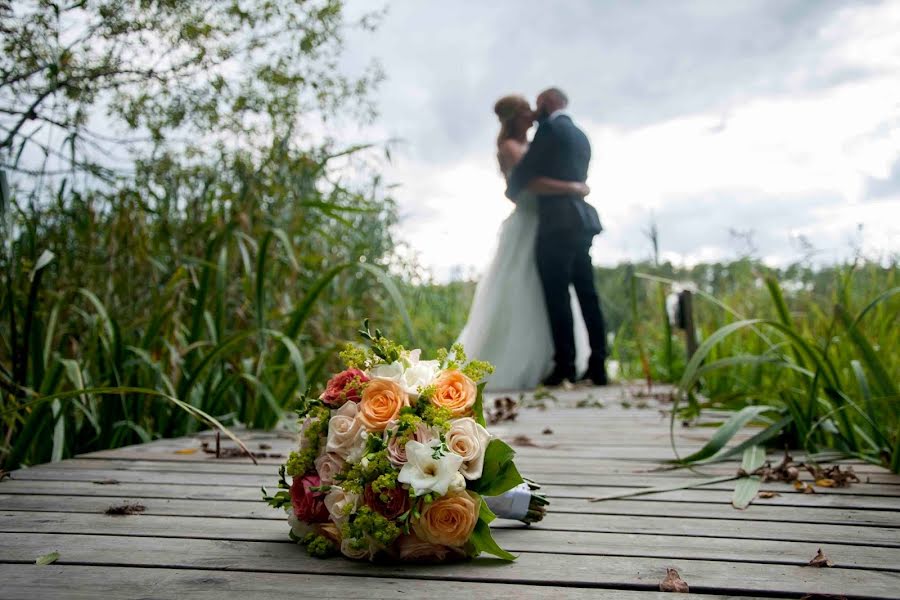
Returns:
(510, 152)
(510, 145)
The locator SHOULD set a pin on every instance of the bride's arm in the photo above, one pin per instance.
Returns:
(550, 187)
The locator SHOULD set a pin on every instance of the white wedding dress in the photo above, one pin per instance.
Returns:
(508, 324)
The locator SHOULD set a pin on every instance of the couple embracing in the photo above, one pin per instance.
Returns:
(524, 318)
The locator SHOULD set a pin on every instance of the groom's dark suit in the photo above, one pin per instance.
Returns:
(566, 227)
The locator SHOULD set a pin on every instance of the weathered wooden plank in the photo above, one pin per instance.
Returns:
(37, 496)
(565, 475)
(12, 521)
(138, 583)
(48, 499)
(231, 481)
(518, 539)
(530, 568)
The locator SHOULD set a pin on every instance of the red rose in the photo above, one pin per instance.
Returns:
(397, 501)
(346, 386)
(309, 505)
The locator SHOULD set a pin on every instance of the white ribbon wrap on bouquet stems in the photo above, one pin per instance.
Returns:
(512, 504)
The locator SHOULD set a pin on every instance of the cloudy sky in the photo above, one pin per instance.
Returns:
(780, 118)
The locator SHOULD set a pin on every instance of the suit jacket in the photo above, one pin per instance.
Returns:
(560, 150)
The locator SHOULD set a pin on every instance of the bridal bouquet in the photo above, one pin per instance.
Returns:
(394, 459)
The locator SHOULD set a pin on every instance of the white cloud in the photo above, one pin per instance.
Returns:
(771, 117)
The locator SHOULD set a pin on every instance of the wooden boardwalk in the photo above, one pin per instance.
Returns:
(204, 533)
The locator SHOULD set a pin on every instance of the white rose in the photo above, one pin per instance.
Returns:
(424, 472)
(298, 527)
(337, 501)
(327, 466)
(419, 375)
(343, 431)
(458, 485)
(392, 371)
(358, 449)
(469, 440)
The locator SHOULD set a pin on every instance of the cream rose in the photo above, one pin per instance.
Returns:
(470, 440)
(340, 504)
(350, 552)
(381, 403)
(456, 392)
(448, 521)
(344, 430)
(328, 465)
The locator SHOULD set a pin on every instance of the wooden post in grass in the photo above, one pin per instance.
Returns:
(686, 320)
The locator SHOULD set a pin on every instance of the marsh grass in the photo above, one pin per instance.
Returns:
(168, 305)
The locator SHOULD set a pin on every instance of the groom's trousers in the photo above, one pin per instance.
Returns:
(563, 260)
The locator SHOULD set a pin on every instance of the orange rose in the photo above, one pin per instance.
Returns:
(381, 403)
(448, 521)
(411, 549)
(456, 392)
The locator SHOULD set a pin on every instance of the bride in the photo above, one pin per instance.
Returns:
(508, 324)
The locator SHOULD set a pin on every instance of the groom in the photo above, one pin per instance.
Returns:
(567, 226)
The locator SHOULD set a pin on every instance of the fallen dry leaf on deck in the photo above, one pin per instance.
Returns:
(130, 508)
(673, 583)
(505, 409)
(804, 487)
(833, 474)
(765, 495)
(186, 451)
(820, 560)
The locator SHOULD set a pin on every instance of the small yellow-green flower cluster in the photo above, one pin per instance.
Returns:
(318, 545)
(370, 523)
(355, 477)
(300, 462)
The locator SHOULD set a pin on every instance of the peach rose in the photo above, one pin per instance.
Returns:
(456, 392)
(448, 521)
(381, 403)
(412, 549)
(330, 532)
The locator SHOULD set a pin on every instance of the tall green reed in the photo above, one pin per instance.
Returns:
(198, 295)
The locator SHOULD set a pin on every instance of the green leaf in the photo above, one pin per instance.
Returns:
(482, 541)
(478, 408)
(47, 559)
(746, 488)
(724, 433)
(499, 473)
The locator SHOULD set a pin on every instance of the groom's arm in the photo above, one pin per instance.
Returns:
(528, 167)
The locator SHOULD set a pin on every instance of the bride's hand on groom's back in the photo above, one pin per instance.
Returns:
(580, 189)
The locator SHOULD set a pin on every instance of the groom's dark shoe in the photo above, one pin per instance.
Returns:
(557, 377)
(596, 373)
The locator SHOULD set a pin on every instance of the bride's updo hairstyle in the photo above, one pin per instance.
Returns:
(507, 109)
